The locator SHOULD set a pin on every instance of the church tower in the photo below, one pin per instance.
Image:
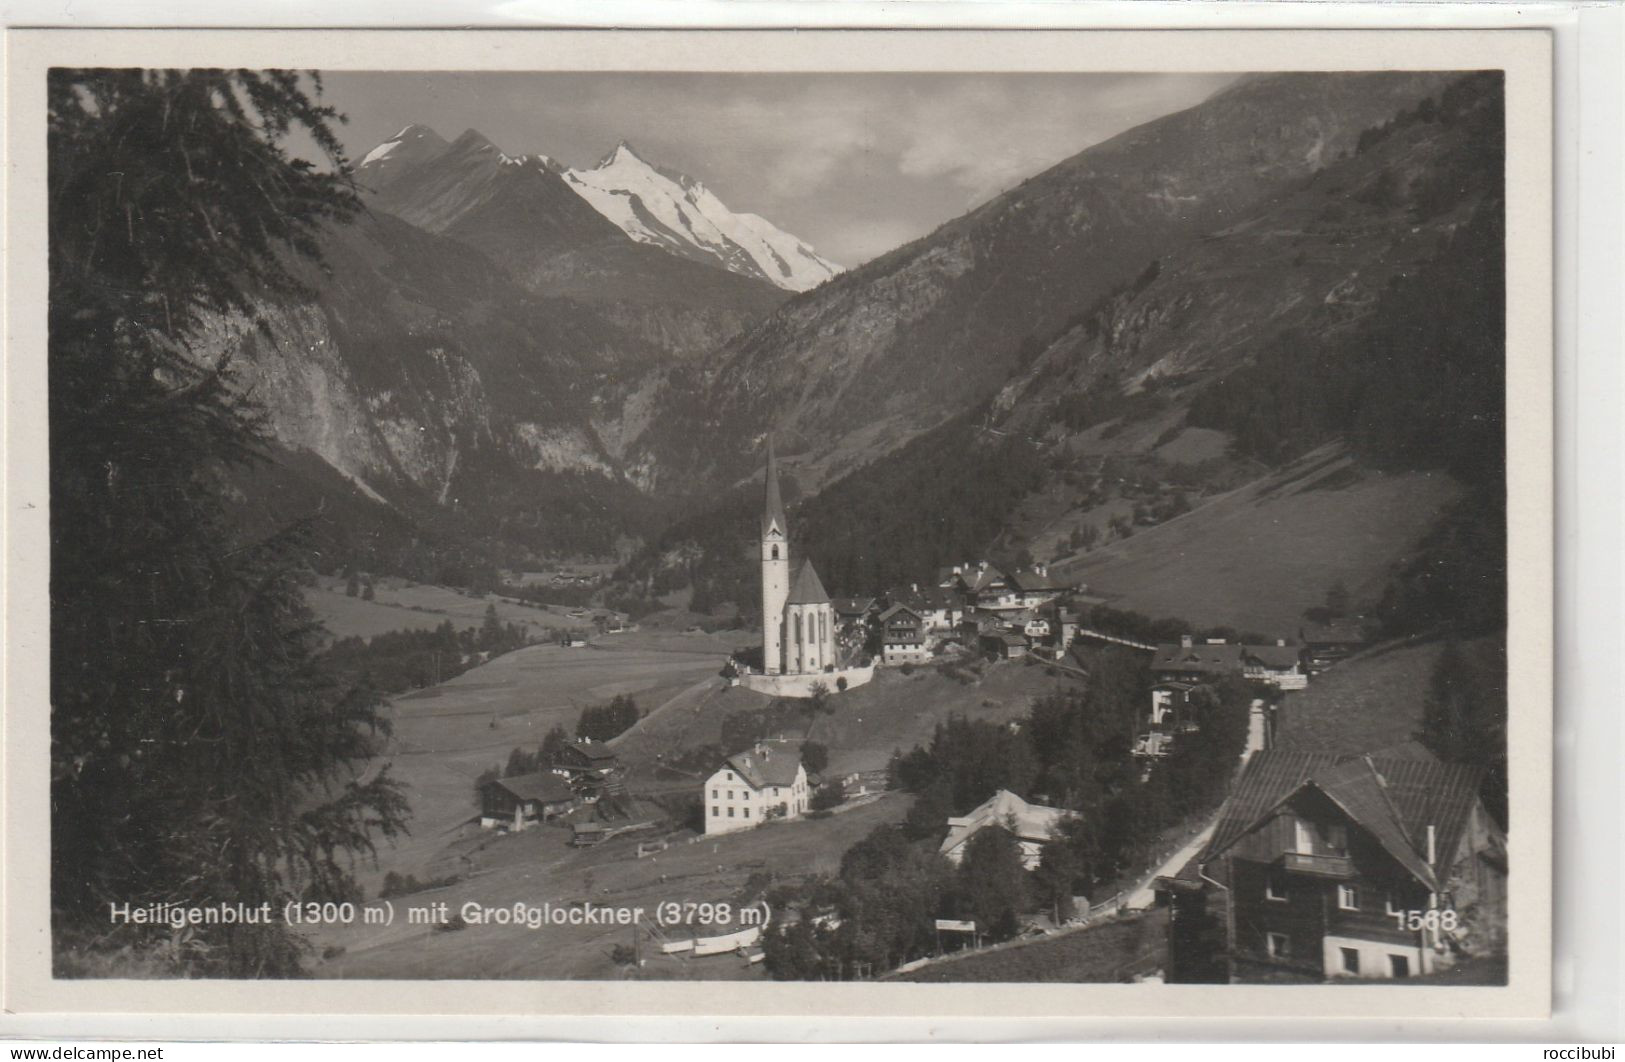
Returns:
(775, 570)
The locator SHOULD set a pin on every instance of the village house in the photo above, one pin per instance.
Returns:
(578, 756)
(974, 623)
(1171, 708)
(853, 612)
(1324, 644)
(981, 586)
(939, 609)
(1031, 824)
(1063, 628)
(754, 787)
(524, 800)
(1280, 665)
(1195, 662)
(1005, 645)
(903, 639)
(1036, 586)
(1328, 865)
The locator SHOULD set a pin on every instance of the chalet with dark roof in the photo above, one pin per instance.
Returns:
(1037, 585)
(1195, 662)
(593, 756)
(1280, 665)
(853, 611)
(525, 800)
(903, 639)
(1328, 865)
(1325, 644)
(938, 608)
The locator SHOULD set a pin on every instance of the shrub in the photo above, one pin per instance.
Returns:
(830, 795)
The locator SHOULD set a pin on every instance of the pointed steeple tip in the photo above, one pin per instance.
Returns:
(773, 506)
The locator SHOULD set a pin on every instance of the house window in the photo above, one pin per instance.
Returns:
(1303, 837)
(1399, 966)
(730, 813)
(747, 813)
(1275, 885)
(730, 794)
(1348, 897)
(775, 790)
(716, 813)
(713, 794)
(729, 775)
(744, 795)
(1351, 960)
(1278, 945)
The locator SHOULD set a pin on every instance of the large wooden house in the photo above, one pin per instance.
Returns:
(1327, 865)
(525, 800)
(903, 639)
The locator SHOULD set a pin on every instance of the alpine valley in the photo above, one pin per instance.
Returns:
(509, 360)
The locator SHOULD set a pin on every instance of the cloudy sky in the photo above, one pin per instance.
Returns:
(854, 164)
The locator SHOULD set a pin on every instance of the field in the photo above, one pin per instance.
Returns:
(445, 736)
(538, 866)
(1257, 557)
(1107, 953)
(399, 605)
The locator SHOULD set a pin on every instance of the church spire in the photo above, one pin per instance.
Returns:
(773, 509)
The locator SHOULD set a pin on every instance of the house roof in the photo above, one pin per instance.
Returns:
(1334, 632)
(1197, 657)
(593, 750)
(1394, 800)
(1273, 656)
(928, 597)
(807, 589)
(544, 786)
(897, 609)
(853, 606)
(979, 578)
(773, 506)
(1008, 637)
(1031, 822)
(766, 768)
(1033, 579)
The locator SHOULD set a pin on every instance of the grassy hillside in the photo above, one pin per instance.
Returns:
(1257, 557)
(863, 726)
(1371, 702)
(445, 736)
(538, 866)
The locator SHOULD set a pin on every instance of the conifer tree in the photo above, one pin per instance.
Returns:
(199, 755)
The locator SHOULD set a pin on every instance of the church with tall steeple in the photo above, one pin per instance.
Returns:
(798, 621)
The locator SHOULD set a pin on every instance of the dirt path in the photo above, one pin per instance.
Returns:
(1145, 895)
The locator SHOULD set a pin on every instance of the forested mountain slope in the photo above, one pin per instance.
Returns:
(892, 348)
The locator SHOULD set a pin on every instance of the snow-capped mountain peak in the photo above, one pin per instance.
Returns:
(413, 144)
(670, 210)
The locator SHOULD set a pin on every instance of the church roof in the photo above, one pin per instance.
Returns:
(807, 589)
(773, 507)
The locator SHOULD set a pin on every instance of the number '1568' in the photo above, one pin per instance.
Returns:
(1445, 919)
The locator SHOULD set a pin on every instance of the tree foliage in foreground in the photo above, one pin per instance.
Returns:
(199, 754)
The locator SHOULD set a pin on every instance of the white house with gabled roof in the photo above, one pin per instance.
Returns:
(751, 788)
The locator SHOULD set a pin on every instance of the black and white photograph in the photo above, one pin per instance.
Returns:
(779, 525)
